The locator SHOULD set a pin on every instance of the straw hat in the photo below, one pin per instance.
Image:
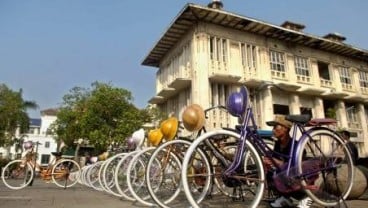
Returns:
(193, 117)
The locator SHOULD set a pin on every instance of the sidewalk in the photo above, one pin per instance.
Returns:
(42, 195)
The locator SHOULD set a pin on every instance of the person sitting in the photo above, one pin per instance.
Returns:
(281, 132)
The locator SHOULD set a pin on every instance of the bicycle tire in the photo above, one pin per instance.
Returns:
(65, 173)
(136, 176)
(108, 174)
(20, 178)
(121, 176)
(163, 172)
(331, 160)
(244, 200)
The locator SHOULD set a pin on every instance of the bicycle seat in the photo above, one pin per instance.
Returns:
(301, 119)
(57, 154)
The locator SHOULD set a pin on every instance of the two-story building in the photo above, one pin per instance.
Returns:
(207, 52)
(38, 133)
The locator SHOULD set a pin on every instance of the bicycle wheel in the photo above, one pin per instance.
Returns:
(108, 174)
(100, 176)
(163, 173)
(121, 176)
(65, 173)
(93, 178)
(245, 185)
(17, 174)
(136, 176)
(82, 178)
(327, 168)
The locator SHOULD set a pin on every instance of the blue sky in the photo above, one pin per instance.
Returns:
(48, 47)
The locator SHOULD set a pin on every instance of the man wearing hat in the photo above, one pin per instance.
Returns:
(281, 132)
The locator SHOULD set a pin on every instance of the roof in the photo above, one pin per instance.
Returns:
(49, 112)
(192, 13)
(35, 122)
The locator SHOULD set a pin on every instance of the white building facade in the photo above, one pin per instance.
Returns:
(38, 133)
(207, 53)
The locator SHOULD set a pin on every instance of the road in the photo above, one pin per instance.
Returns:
(43, 195)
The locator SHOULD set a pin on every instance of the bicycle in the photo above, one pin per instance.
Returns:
(326, 156)
(164, 166)
(18, 174)
(120, 168)
(137, 166)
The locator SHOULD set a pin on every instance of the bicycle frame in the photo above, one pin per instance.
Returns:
(249, 132)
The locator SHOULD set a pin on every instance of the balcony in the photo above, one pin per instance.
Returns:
(156, 100)
(333, 94)
(167, 92)
(311, 90)
(180, 83)
(347, 87)
(288, 86)
(253, 82)
(278, 74)
(303, 79)
(224, 78)
(364, 90)
(326, 83)
(357, 98)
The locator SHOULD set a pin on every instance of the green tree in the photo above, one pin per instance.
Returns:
(154, 115)
(13, 114)
(102, 115)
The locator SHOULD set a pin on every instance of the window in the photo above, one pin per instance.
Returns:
(329, 109)
(277, 61)
(301, 66)
(352, 116)
(248, 55)
(47, 144)
(218, 49)
(305, 110)
(345, 75)
(363, 79)
(281, 109)
(323, 70)
(45, 159)
(219, 94)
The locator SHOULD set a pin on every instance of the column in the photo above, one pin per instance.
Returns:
(341, 114)
(318, 108)
(200, 84)
(363, 148)
(294, 104)
(267, 107)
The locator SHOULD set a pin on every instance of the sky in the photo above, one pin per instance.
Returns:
(47, 47)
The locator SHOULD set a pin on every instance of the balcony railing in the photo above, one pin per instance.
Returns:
(326, 83)
(218, 67)
(364, 90)
(278, 74)
(303, 79)
(347, 87)
(249, 73)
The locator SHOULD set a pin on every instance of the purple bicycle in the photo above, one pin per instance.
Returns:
(319, 163)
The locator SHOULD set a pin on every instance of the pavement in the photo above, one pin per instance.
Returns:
(42, 195)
